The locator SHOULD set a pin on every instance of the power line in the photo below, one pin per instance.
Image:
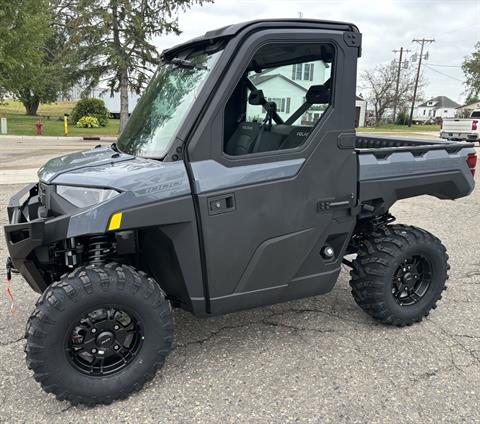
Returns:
(442, 73)
(422, 43)
(445, 66)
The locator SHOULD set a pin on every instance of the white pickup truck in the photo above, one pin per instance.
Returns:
(462, 129)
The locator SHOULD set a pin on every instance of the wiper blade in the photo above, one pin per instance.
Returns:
(184, 63)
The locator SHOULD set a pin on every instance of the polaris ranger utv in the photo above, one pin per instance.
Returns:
(238, 182)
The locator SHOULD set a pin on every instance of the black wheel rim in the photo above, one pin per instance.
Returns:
(412, 280)
(104, 341)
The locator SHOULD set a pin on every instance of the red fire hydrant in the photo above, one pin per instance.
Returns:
(38, 128)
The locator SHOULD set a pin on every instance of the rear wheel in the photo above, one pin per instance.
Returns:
(399, 274)
(99, 334)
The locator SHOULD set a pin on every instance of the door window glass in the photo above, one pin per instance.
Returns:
(283, 93)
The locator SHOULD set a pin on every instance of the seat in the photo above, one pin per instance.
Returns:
(296, 137)
(242, 140)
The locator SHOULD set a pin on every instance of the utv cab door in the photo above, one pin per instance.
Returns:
(273, 168)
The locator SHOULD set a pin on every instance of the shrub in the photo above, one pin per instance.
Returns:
(88, 122)
(90, 107)
(402, 117)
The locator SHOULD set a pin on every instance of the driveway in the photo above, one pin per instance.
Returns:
(313, 360)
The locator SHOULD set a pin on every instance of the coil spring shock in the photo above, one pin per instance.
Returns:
(99, 248)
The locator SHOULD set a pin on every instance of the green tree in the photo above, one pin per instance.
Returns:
(471, 69)
(30, 68)
(111, 40)
(472, 99)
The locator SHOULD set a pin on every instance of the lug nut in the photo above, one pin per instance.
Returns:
(116, 327)
(94, 350)
(94, 330)
(116, 347)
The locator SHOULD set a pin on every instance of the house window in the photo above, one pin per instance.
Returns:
(308, 72)
(297, 71)
(424, 112)
(279, 102)
(283, 104)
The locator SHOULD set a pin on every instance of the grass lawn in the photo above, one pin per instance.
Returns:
(20, 124)
(400, 128)
(52, 109)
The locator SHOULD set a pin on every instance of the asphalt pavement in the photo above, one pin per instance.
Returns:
(315, 360)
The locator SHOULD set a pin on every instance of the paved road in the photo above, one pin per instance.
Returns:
(20, 157)
(314, 360)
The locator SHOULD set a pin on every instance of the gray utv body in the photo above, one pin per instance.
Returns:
(221, 232)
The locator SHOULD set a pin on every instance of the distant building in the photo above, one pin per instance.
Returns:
(466, 110)
(438, 107)
(360, 112)
(111, 102)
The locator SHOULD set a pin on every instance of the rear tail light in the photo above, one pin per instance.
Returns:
(474, 125)
(472, 162)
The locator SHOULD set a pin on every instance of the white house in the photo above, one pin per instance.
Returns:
(360, 111)
(288, 84)
(438, 107)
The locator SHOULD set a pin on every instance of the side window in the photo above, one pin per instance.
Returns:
(283, 93)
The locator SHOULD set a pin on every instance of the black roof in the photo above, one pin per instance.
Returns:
(232, 30)
(441, 102)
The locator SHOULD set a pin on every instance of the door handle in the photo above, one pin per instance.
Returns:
(331, 203)
(221, 204)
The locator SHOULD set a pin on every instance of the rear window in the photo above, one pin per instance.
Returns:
(476, 114)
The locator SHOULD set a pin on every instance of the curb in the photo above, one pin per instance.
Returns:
(53, 138)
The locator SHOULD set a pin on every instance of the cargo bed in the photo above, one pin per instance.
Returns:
(396, 168)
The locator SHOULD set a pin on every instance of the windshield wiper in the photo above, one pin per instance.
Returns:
(184, 63)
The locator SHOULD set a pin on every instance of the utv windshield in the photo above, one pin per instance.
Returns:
(165, 105)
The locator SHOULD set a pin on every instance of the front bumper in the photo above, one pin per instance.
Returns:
(25, 233)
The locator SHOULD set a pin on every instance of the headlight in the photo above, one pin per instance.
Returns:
(83, 197)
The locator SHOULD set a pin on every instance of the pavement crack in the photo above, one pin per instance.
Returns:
(319, 311)
(215, 333)
(12, 341)
(295, 327)
(64, 409)
(267, 321)
(453, 338)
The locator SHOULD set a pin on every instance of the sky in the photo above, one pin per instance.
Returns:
(385, 26)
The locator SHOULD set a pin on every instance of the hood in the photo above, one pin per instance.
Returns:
(105, 168)
(73, 161)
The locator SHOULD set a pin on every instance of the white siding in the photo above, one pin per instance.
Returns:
(288, 88)
(278, 88)
(320, 73)
(424, 113)
(362, 104)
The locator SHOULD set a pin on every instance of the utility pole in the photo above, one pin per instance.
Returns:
(395, 104)
(422, 43)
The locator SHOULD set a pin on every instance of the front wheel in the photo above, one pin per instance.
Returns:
(399, 274)
(99, 334)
